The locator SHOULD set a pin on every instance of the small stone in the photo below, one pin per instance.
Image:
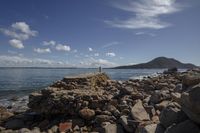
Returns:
(64, 127)
(24, 130)
(113, 128)
(124, 122)
(103, 118)
(138, 112)
(87, 114)
(152, 128)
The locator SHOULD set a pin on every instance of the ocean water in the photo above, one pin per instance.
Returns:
(22, 81)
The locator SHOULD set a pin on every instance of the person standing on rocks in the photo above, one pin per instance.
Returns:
(100, 69)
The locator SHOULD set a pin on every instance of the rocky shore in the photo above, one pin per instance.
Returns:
(168, 103)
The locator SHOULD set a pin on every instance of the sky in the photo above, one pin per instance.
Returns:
(92, 33)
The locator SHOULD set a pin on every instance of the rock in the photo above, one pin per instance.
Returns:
(72, 94)
(190, 102)
(4, 114)
(24, 130)
(113, 128)
(124, 122)
(138, 112)
(87, 114)
(152, 128)
(35, 130)
(191, 79)
(14, 124)
(162, 105)
(127, 90)
(184, 127)
(156, 97)
(103, 118)
(176, 97)
(64, 127)
(171, 71)
(54, 129)
(172, 114)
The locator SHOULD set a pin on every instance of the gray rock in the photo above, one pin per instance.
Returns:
(191, 79)
(24, 130)
(152, 128)
(14, 124)
(172, 114)
(113, 128)
(190, 103)
(184, 127)
(103, 118)
(124, 122)
(138, 112)
(87, 114)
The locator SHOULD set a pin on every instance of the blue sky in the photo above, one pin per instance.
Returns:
(90, 33)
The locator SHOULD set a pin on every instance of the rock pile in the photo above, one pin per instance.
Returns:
(168, 103)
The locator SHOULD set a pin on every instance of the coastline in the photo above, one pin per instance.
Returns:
(114, 104)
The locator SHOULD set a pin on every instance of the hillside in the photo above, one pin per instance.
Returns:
(160, 62)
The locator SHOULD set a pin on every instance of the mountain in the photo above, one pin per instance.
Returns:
(160, 62)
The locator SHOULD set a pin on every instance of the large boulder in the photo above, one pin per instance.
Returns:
(172, 114)
(184, 127)
(190, 102)
(4, 114)
(190, 79)
(139, 113)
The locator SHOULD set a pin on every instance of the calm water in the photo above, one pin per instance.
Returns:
(21, 81)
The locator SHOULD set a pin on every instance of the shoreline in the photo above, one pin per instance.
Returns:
(108, 105)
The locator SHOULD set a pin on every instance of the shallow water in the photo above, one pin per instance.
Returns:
(21, 81)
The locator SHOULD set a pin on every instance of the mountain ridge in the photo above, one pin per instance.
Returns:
(159, 62)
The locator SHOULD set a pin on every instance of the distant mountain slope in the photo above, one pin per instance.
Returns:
(160, 62)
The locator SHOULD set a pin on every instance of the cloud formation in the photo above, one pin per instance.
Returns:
(16, 43)
(20, 31)
(110, 44)
(93, 63)
(42, 50)
(90, 49)
(49, 43)
(111, 54)
(145, 14)
(20, 61)
(61, 47)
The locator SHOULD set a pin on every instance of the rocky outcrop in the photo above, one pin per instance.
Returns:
(167, 103)
(70, 95)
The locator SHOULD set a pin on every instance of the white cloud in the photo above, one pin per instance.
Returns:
(145, 14)
(41, 51)
(24, 28)
(20, 61)
(111, 54)
(96, 54)
(49, 43)
(91, 62)
(16, 43)
(110, 44)
(13, 34)
(20, 31)
(90, 49)
(61, 47)
(145, 33)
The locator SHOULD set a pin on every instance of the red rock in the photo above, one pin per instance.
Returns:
(63, 127)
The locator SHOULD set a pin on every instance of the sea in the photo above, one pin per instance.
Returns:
(19, 82)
